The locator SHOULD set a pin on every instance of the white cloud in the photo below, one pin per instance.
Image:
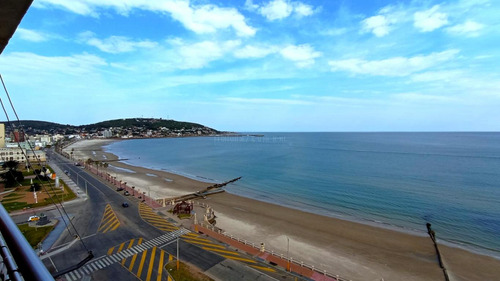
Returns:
(277, 9)
(280, 9)
(114, 44)
(75, 65)
(31, 35)
(429, 20)
(383, 23)
(416, 97)
(469, 28)
(198, 18)
(379, 25)
(397, 66)
(303, 10)
(198, 55)
(251, 51)
(266, 101)
(302, 55)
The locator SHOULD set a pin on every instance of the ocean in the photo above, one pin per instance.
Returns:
(394, 180)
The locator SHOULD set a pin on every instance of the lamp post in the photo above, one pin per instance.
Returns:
(287, 253)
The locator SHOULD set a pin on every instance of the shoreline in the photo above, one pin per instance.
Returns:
(353, 249)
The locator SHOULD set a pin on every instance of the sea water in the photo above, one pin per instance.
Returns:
(396, 180)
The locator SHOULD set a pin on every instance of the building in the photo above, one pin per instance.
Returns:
(18, 136)
(18, 154)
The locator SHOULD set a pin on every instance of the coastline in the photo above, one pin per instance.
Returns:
(354, 250)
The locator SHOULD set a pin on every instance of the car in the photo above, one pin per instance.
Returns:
(119, 189)
(77, 164)
(66, 172)
(126, 193)
(33, 218)
(124, 204)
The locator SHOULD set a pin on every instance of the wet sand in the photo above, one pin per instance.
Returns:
(352, 250)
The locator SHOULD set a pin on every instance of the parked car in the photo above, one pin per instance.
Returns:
(34, 218)
(126, 193)
(125, 205)
(119, 189)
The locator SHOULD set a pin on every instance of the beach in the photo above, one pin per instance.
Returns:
(353, 250)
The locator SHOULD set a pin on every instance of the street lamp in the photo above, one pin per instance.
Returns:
(287, 253)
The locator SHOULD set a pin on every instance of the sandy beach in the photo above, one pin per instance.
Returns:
(352, 250)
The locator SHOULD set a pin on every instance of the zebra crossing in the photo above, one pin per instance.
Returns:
(106, 261)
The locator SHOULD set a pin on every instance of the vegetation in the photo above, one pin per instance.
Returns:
(12, 177)
(185, 272)
(16, 201)
(33, 126)
(35, 235)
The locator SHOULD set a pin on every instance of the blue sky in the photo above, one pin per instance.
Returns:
(260, 65)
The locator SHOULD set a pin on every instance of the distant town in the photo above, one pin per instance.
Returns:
(36, 135)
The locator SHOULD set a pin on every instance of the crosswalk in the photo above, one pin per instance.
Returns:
(119, 256)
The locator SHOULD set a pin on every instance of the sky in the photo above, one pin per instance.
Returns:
(260, 66)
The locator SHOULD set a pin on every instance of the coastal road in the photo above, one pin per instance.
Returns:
(131, 243)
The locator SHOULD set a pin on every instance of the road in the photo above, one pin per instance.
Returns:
(135, 243)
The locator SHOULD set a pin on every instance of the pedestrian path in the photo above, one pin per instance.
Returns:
(109, 220)
(124, 254)
(148, 215)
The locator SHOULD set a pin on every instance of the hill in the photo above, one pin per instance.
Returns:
(31, 127)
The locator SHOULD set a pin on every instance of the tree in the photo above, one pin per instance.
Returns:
(12, 176)
(35, 187)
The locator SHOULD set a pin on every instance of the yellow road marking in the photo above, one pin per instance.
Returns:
(206, 244)
(141, 264)
(197, 239)
(115, 227)
(112, 226)
(239, 259)
(123, 261)
(191, 234)
(263, 268)
(130, 244)
(170, 257)
(131, 265)
(110, 251)
(160, 266)
(220, 251)
(109, 218)
(151, 263)
(121, 247)
(140, 241)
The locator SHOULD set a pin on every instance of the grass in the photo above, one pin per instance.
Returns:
(185, 272)
(11, 204)
(35, 235)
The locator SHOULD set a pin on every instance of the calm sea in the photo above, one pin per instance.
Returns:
(396, 180)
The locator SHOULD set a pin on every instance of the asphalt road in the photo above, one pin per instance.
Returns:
(125, 247)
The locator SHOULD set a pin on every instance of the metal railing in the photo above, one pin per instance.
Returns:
(20, 259)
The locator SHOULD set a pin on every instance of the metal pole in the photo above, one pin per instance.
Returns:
(177, 253)
(287, 251)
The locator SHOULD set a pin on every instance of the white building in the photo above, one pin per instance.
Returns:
(18, 154)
